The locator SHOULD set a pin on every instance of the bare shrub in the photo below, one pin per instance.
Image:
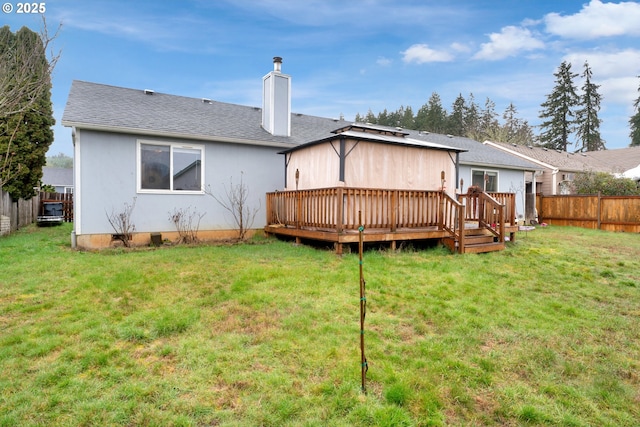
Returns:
(122, 224)
(234, 200)
(187, 223)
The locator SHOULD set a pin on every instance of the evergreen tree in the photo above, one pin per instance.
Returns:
(455, 120)
(370, 117)
(407, 121)
(634, 123)
(471, 117)
(558, 110)
(432, 116)
(515, 130)
(25, 127)
(60, 160)
(587, 121)
(383, 118)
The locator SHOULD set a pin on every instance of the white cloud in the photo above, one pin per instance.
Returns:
(384, 62)
(421, 53)
(509, 42)
(597, 19)
(459, 47)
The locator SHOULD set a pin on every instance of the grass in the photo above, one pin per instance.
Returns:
(546, 332)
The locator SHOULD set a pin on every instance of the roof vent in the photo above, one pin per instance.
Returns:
(206, 100)
(149, 92)
(449, 136)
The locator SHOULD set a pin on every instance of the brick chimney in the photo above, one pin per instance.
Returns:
(276, 101)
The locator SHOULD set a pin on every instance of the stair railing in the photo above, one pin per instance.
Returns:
(452, 219)
(491, 215)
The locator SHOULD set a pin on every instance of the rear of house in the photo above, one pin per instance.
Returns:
(165, 153)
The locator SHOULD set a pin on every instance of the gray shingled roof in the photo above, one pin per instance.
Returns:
(57, 177)
(112, 108)
(618, 160)
(477, 154)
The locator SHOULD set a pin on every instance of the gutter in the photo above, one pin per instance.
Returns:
(176, 135)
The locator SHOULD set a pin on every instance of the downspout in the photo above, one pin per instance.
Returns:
(554, 182)
(458, 171)
(342, 155)
(286, 168)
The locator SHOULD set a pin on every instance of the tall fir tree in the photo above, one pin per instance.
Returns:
(587, 121)
(471, 117)
(407, 121)
(558, 110)
(634, 123)
(456, 120)
(516, 130)
(432, 116)
(25, 133)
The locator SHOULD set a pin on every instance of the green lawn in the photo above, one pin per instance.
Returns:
(546, 332)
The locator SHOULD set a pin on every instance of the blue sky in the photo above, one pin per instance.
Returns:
(349, 56)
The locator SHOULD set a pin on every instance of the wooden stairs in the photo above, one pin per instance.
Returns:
(476, 240)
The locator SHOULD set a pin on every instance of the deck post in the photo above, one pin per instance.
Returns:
(442, 212)
(298, 209)
(502, 221)
(340, 210)
(461, 223)
(394, 210)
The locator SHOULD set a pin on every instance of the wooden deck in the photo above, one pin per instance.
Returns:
(472, 223)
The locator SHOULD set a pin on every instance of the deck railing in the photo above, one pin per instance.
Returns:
(339, 209)
(472, 203)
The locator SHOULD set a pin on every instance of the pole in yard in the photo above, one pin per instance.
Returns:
(363, 306)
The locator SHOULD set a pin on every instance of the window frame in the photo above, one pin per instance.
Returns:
(485, 172)
(172, 146)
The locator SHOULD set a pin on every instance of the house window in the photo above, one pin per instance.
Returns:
(487, 180)
(169, 167)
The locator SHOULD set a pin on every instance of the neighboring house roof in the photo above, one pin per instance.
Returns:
(617, 160)
(553, 159)
(116, 109)
(478, 154)
(57, 177)
(633, 173)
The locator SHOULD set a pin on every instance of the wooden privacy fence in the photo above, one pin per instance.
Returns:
(15, 214)
(65, 198)
(610, 213)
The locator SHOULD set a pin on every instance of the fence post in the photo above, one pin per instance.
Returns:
(599, 208)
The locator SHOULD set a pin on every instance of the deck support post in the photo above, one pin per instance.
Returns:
(340, 210)
(394, 211)
(299, 209)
